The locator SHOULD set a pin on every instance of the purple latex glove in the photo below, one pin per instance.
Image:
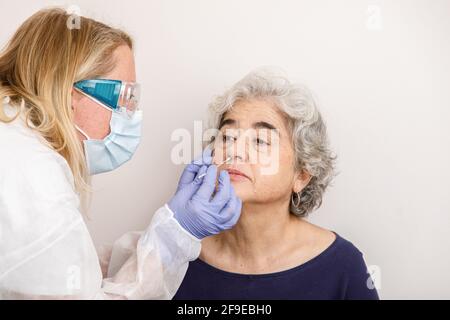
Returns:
(197, 208)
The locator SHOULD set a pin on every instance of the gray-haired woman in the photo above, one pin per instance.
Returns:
(280, 166)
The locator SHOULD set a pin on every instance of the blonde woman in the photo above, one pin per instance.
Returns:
(70, 110)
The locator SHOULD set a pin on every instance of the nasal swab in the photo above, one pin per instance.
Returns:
(227, 160)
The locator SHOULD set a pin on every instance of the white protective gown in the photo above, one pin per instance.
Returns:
(46, 251)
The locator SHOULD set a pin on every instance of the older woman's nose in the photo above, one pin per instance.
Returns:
(239, 150)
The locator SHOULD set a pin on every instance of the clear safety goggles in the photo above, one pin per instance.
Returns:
(119, 96)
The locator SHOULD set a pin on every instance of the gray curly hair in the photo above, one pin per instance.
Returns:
(309, 134)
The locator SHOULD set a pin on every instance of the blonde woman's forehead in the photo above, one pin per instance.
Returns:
(125, 67)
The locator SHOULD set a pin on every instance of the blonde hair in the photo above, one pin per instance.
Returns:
(38, 68)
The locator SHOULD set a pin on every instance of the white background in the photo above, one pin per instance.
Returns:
(381, 73)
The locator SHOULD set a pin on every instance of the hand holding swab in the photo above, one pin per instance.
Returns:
(226, 161)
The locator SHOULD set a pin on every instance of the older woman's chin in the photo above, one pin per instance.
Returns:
(245, 193)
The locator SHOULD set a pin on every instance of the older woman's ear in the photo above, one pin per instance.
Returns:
(302, 180)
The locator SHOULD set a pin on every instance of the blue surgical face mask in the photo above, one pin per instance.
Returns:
(118, 147)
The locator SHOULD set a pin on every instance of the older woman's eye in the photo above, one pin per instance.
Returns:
(261, 142)
(227, 138)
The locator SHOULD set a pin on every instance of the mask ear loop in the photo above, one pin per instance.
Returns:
(82, 132)
(96, 101)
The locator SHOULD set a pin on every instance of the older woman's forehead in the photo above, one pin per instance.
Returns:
(249, 113)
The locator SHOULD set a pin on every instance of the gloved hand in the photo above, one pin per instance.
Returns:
(195, 207)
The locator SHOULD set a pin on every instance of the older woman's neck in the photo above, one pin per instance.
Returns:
(262, 228)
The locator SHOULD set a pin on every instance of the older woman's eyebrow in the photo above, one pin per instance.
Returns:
(256, 125)
(264, 125)
(226, 122)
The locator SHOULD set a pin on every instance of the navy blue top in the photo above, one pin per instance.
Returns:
(339, 272)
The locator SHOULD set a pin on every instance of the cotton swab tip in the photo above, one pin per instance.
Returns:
(226, 161)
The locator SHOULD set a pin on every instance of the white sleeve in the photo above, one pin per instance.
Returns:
(149, 265)
(152, 264)
(46, 251)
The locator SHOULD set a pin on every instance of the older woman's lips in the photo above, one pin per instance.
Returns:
(236, 175)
